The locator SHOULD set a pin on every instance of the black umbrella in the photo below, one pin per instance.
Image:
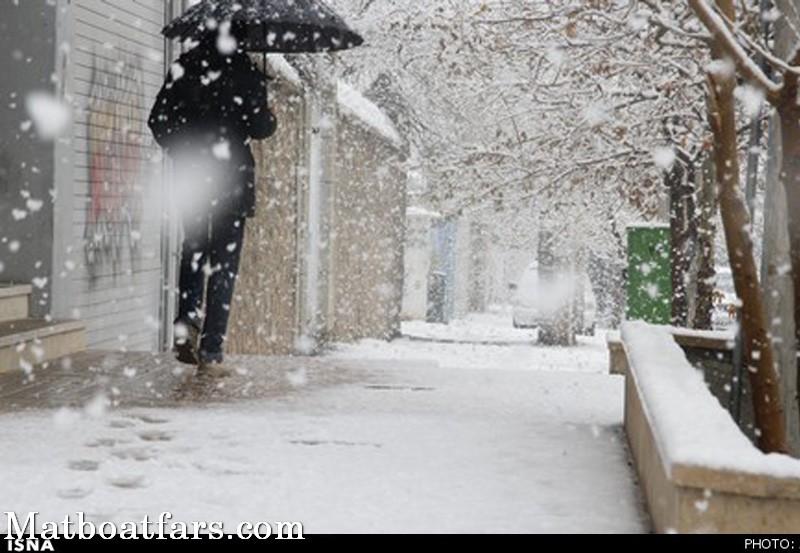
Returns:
(286, 26)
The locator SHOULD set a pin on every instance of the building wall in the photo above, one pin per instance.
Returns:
(368, 234)
(417, 263)
(114, 262)
(323, 258)
(264, 311)
(27, 63)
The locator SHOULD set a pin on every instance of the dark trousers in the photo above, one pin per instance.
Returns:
(211, 247)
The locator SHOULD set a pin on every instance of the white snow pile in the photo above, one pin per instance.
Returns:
(360, 107)
(689, 424)
(49, 114)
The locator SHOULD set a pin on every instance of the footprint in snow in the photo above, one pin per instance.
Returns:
(128, 482)
(134, 454)
(121, 424)
(105, 442)
(84, 465)
(155, 436)
(74, 493)
(150, 419)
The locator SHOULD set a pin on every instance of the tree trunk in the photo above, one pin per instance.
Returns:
(679, 181)
(758, 351)
(560, 331)
(704, 254)
(776, 279)
(789, 175)
(789, 114)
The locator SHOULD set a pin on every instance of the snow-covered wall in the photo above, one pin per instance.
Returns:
(355, 104)
(689, 425)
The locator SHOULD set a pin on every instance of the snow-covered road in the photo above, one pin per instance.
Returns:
(418, 444)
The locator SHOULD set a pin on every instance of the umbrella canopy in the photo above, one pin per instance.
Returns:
(287, 26)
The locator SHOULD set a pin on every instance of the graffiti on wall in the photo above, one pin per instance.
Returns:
(115, 152)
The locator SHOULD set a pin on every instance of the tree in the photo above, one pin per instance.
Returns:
(544, 107)
(729, 56)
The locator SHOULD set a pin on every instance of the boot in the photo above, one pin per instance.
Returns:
(187, 337)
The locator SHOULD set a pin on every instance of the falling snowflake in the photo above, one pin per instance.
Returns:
(97, 406)
(226, 43)
(556, 56)
(595, 114)
(34, 205)
(177, 71)
(751, 99)
(304, 345)
(664, 158)
(652, 291)
(50, 115)
(701, 505)
(222, 150)
(210, 77)
(721, 68)
(297, 377)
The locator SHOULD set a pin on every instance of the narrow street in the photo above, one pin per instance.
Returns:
(461, 428)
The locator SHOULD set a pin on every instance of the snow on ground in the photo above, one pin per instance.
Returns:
(482, 341)
(417, 445)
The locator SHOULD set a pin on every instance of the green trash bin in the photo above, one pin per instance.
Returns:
(649, 273)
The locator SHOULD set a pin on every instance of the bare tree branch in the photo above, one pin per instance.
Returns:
(726, 40)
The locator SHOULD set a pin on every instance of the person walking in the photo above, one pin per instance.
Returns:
(212, 105)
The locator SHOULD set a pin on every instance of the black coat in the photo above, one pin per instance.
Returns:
(210, 107)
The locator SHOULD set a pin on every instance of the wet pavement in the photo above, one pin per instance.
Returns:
(148, 380)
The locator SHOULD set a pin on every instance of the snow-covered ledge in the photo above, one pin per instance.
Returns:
(712, 340)
(699, 473)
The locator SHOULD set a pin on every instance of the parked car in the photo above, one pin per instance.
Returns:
(538, 300)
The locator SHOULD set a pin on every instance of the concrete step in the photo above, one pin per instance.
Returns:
(14, 300)
(27, 342)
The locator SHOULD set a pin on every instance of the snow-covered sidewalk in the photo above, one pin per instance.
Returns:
(410, 441)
